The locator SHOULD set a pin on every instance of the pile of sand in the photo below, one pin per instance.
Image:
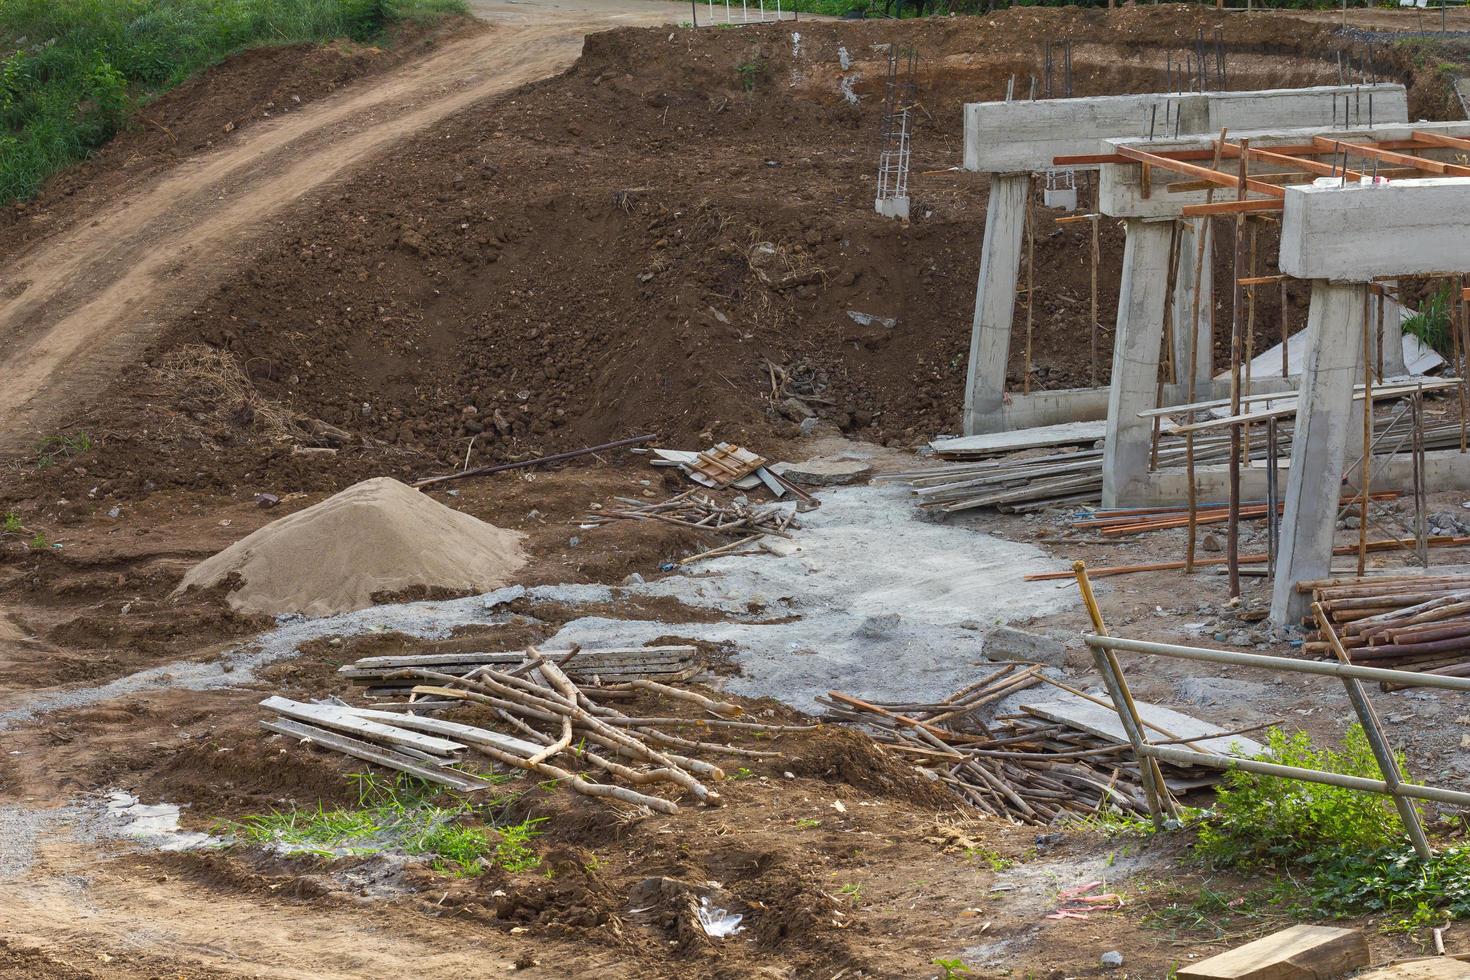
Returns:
(377, 536)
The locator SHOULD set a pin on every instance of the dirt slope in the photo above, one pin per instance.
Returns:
(77, 306)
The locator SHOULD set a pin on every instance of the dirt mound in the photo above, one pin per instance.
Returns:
(378, 536)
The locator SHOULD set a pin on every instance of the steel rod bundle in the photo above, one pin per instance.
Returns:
(560, 731)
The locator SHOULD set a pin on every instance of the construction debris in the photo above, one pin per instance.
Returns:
(553, 716)
(1057, 756)
(699, 511)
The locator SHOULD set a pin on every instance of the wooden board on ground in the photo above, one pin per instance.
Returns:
(1068, 709)
(1438, 968)
(1298, 953)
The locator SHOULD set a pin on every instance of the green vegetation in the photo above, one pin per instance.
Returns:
(72, 71)
(952, 968)
(808, 823)
(11, 524)
(1339, 852)
(749, 72)
(1432, 324)
(53, 449)
(400, 815)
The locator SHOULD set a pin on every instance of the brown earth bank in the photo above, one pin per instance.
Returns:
(634, 245)
(581, 259)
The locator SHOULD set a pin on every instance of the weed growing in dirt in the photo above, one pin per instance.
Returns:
(72, 72)
(952, 968)
(53, 449)
(749, 71)
(400, 815)
(807, 823)
(992, 858)
(1342, 852)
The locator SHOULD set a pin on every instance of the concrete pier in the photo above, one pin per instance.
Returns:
(1136, 350)
(995, 302)
(1324, 423)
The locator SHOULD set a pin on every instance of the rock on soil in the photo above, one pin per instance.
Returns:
(825, 472)
(1008, 643)
(375, 537)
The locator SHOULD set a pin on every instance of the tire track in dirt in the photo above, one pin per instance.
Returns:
(79, 305)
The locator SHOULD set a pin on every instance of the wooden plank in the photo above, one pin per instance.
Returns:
(1298, 953)
(1070, 710)
(468, 734)
(375, 753)
(1435, 968)
(517, 657)
(342, 719)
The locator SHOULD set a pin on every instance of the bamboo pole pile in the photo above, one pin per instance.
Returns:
(555, 728)
(1024, 768)
(1414, 622)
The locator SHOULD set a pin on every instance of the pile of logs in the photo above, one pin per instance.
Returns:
(1028, 767)
(698, 510)
(555, 728)
(1412, 622)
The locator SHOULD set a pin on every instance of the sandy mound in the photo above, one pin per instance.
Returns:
(376, 536)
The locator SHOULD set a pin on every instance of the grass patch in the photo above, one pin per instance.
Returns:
(53, 449)
(400, 815)
(1432, 323)
(1338, 853)
(73, 71)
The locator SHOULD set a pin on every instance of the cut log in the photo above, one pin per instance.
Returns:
(1298, 953)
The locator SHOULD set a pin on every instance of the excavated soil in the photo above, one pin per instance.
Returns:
(632, 245)
(646, 242)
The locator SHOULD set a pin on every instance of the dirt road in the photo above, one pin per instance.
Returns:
(83, 302)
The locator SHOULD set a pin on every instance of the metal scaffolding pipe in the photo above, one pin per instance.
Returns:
(1186, 758)
(1321, 668)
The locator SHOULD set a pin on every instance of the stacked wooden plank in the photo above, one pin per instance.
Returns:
(552, 719)
(385, 677)
(1026, 481)
(1410, 622)
(1063, 754)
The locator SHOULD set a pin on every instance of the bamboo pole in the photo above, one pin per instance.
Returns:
(1237, 295)
(1365, 468)
(1030, 277)
(1096, 328)
(1154, 791)
(1199, 272)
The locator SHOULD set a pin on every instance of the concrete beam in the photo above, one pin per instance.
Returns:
(1357, 233)
(1061, 405)
(1136, 348)
(995, 299)
(1120, 186)
(1324, 422)
(1007, 137)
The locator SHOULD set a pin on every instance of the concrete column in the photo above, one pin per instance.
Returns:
(1184, 302)
(995, 302)
(1136, 349)
(1325, 421)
